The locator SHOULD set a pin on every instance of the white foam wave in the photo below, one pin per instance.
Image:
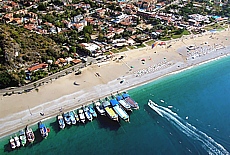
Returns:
(209, 144)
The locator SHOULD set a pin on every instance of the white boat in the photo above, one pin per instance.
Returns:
(43, 130)
(170, 106)
(153, 105)
(72, 118)
(99, 108)
(123, 103)
(61, 122)
(22, 136)
(76, 116)
(92, 111)
(12, 143)
(87, 113)
(67, 118)
(30, 134)
(17, 142)
(81, 115)
(121, 112)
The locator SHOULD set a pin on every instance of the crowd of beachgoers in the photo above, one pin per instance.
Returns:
(152, 68)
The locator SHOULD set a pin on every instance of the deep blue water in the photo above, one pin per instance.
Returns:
(199, 96)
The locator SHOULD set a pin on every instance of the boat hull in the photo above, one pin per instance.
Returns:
(30, 135)
(121, 113)
(43, 130)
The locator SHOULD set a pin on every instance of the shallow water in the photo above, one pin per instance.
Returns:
(198, 98)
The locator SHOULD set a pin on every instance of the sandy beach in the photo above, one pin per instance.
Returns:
(100, 80)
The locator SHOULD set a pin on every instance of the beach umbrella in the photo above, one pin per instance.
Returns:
(132, 67)
(143, 59)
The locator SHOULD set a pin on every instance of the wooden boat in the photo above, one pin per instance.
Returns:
(76, 116)
(43, 130)
(12, 143)
(72, 118)
(121, 112)
(123, 103)
(30, 134)
(109, 111)
(130, 101)
(88, 115)
(92, 111)
(61, 121)
(99, 108)
(22, 137)
(81, 115)
(67, 118)
(17, 142)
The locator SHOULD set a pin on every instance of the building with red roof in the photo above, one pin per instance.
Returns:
(37, 67)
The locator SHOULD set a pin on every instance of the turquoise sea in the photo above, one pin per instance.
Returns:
(196, 120)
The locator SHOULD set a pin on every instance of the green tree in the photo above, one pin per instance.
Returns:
(41, 7)
(88, 29)
(72, 49)
(100, 37)
(87, 37)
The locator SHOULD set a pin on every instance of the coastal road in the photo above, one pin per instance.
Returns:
(42, 81)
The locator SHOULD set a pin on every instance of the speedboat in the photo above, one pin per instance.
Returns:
(30, 134)
(72, 117)
(67, 118)
(81, 115)
(99, 108)
(16, 139)
(92, 111)
(43, 129)
(61, 122)
(12, 143)
(88, 115)
(22, 137)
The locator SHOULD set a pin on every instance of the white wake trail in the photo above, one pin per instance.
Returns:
(210, 145)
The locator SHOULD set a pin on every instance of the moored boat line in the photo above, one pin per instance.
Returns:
(113, 108)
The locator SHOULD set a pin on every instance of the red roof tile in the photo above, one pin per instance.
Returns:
(38, 66)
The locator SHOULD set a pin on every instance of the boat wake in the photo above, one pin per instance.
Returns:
(209, 144)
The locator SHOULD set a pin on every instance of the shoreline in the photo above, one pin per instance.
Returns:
(70, 101)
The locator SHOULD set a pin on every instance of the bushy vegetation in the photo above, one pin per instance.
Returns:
(30, 48)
